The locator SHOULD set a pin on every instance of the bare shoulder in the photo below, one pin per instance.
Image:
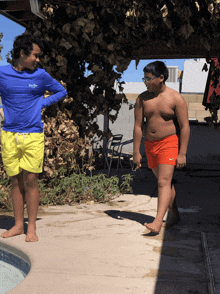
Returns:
(177, 97)
(138, 103)
(144, 96)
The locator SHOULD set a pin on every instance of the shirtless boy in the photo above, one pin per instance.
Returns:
(22, 86)
(160, 106)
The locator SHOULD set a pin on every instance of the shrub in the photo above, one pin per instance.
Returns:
(77, 188)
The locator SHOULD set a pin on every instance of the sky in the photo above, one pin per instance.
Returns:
(11, 29)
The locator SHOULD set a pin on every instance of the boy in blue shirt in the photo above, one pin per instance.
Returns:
(22, 86)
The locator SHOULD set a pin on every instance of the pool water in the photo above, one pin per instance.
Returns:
(14, 266)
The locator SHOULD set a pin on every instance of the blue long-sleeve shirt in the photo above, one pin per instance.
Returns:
(22, 98)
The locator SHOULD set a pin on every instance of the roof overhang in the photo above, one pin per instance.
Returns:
(190, 48)
(23, 11)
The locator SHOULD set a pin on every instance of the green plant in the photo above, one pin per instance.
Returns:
(80, 188)
(76, 188)
(125, 185)
(5, 195)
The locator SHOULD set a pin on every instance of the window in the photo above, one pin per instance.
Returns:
(173, 74)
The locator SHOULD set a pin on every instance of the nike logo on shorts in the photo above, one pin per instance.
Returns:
(171, 158)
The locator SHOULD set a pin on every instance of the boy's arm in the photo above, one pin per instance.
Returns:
(182, 117)
(53, 86)
(138, 131)
(2, 113)
(1, 108)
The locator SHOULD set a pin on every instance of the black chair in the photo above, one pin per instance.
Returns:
(123, 155)
(112, 152)
(127, 156)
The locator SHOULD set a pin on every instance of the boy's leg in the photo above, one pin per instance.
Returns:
(164, 173)
(18, 206)
(173, 205)
(25, 184)
(31, 162)
(32, 200)
(175, 217)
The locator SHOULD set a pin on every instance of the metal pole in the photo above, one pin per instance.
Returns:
(105, 127)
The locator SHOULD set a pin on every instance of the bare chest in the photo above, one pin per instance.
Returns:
(157, 107)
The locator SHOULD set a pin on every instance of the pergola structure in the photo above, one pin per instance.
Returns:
(177, 31)
(22, 11)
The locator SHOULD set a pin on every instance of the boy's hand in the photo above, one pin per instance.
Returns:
(137, 159)
(181, 161)
(2, 113)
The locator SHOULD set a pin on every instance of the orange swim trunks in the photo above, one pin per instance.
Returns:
(163, 151)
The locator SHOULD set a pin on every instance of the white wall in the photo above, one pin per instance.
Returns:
(124, 123)
(194, 79)
(139, 87)
(133, 87)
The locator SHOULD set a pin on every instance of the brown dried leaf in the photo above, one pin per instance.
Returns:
(66, 28)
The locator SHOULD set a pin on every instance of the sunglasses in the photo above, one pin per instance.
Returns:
(147, 80)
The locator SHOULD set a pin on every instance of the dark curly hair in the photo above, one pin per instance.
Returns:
(157, 68)
(25, 42)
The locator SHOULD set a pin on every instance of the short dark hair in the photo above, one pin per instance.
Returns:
(157, 68)
(25, 42)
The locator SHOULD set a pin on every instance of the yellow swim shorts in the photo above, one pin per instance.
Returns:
(22, 151)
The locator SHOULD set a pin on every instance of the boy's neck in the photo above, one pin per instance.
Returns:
(18, 66)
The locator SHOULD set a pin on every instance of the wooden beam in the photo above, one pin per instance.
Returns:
(14, 5)
(13, 18)
(191, 48)
(54, 2)
(20, 17)
(23, 15)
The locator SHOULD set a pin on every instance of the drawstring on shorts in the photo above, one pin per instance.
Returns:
(23, 136)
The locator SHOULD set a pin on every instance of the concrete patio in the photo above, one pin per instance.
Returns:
(105, 248)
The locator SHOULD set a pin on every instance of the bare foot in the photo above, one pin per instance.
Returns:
(154, 227)
(31, 238)
(175, 217)
(14, 231)
(174, 220)
(31, 235)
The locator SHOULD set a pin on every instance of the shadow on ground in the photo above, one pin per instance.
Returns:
(121, 215)
(182, 268)
(7, 222)
(182, 265)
